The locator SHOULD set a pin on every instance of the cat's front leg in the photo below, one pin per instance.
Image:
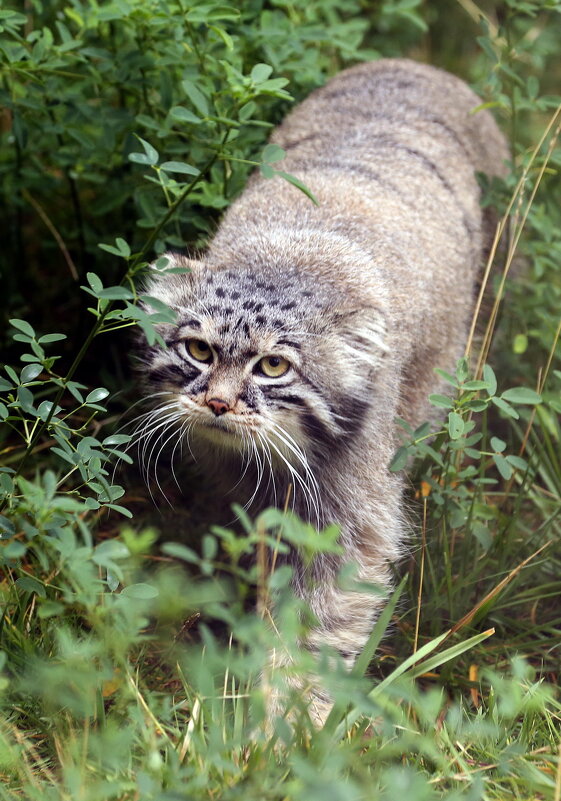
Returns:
(343, 618)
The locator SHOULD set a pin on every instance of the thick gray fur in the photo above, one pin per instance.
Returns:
(364, 294)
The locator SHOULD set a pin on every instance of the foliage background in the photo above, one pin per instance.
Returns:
(129, 665)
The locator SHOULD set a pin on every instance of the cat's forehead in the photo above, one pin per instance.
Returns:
(285, 290)
(243, 312)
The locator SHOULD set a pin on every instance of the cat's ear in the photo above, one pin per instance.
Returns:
(171, 278)
(362, 335)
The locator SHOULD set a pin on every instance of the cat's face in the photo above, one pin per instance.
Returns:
(263, 365)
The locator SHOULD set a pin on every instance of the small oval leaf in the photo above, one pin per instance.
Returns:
(522, 395)
(30, 372)
(97, 395)
(24, 327)
(455, 425)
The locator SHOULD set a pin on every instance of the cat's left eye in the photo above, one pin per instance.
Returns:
(199, 350)
(273, 366)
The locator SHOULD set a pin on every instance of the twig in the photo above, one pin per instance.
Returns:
(50, 225)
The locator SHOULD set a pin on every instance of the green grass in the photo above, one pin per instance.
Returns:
(130, 664)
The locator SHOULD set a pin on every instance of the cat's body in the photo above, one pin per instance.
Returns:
(318, 325)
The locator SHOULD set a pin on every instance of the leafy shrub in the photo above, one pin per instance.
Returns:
(128, 126)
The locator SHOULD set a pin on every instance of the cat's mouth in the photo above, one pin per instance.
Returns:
(224, 426)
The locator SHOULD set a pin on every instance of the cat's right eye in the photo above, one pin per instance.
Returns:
(199, 350)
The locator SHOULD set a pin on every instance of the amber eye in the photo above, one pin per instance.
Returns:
(273, 366)
(199, 350)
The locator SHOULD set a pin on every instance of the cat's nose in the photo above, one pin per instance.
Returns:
(218, 406)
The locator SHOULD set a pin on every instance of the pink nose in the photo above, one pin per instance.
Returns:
(218, 406)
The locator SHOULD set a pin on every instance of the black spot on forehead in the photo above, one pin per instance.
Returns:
(288, 306)
(260, 320)
(235, 295)
(219, 292)
(191, 322)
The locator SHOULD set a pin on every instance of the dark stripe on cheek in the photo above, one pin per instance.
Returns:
(293, 400)
(316, 429)
(354, 412)
(247, 398)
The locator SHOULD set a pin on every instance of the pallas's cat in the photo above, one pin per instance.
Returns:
(305, 330)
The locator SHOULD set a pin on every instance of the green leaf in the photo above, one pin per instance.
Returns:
(455, 425)
(208, 12)
(180, 551)
(47, 338)
(474, 386)
(400, 459)
(14, 550)
(260, 73)
(44, 409)
(30, 372)
(520, 344)
(267, 171)
(116, 439)
(22, 326)
(299, 185)
(450, 379)
(184, 115)
(179, 166)
(121, 509)
(30, 584)
(93, 279)
(7, 528)
(522, 395)
(498, 444)
(462, 369)
(503, 466)
(196, 97)
(12, 373)
(5, 386)
(25, 397)
(441, 401)
(152, 154)
(272, 153)
(445, 656)
(226, 38)
(489, 377)
(110, 549)
(115, 293)
(124, 247)
(518, 462)
(505, 407)
(97, 395)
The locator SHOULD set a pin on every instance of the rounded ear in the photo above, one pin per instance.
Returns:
(361, 333)
(170, 278)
